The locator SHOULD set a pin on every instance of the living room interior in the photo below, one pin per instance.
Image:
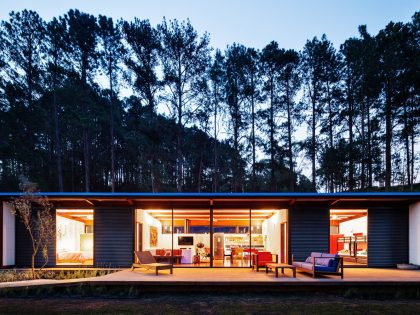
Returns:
(183, 236)
(349, 235)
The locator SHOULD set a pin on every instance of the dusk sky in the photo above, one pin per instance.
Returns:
(252, 23)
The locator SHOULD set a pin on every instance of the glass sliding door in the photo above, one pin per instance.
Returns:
(349, 235)
(231, 238)
(269, 233)
(184, 236)
(191, 238)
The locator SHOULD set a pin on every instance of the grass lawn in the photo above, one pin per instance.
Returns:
(210, 304)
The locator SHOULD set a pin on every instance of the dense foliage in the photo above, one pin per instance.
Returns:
(91, 104)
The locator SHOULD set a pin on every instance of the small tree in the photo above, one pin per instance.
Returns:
(35, 213)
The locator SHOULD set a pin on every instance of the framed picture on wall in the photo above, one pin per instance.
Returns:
(153, 236)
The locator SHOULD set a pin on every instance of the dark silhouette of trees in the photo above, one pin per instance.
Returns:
(112, 53)
(88, 103)
(83, 35)
(184, 56)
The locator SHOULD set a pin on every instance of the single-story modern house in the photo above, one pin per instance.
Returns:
(220, 229)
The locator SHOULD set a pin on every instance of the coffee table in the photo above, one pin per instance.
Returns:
(276, 267)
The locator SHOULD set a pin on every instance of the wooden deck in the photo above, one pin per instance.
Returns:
(238, 277)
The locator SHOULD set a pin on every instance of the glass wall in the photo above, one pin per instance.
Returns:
(348, 235)
(231, 239)
(192, 242)
(184, 236)
(178, 236)
(74, 239)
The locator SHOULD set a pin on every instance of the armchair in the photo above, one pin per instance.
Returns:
(261, 259)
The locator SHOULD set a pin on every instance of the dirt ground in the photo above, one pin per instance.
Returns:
(209, 304)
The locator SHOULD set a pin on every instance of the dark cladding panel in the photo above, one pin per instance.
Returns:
(24, 247)
(113, 234)
(309, 230)
(387, 236)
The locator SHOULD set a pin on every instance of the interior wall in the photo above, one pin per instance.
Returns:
(8, 235)
(147, 220)
(358, 225)
(271, 228)
(198, 238)
(414, 233)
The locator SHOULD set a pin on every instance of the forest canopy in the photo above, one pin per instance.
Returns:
(88, 103)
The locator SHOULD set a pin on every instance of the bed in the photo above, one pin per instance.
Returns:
(75, 257)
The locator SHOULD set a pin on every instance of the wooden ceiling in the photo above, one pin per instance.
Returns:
(344, 215)
(83, 215)
(199, 214)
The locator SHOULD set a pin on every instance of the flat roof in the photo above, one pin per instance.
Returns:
(221, 195)
(190, 200)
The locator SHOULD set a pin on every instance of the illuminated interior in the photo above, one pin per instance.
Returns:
(183, 236)
(349, 235)
(74, 237)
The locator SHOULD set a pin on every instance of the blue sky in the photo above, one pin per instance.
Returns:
(252, 23)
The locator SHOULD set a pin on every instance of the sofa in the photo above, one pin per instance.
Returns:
(321, 264)
(164, 254)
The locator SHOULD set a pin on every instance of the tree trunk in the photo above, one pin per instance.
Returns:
(363, 158)
(330, 132)
(111, 103)
(388, 139)
(351, 154)
(86, 154)
(407, 145)
(72, 167)
(179, 146)
(272, 161)
(215, 174)
(313, 144)
(57, 143)
(369, 149)
(33, 266)
(236, 146)
(289, 143)
(200, 171)
(253, 137)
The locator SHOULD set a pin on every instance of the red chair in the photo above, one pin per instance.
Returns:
(248, 252)
(177, 252)
(261, 259)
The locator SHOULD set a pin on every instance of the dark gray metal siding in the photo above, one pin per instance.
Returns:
(309, 231)
(387, 236)
(24, 247)
(113, 237)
